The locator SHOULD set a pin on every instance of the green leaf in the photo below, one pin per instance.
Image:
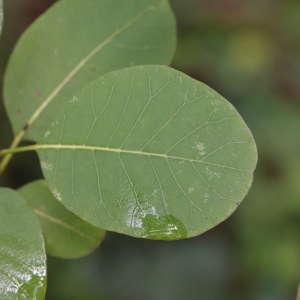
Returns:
(66, 235)
(22, 253)
(75, 42)
(149, 152)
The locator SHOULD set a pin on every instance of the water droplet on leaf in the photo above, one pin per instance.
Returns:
(163, 228)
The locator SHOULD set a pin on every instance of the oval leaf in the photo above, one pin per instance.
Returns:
(149, 152)
(75, 42)
(23, 258)
(66, 235)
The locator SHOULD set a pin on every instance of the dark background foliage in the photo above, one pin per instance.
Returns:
(249, 52)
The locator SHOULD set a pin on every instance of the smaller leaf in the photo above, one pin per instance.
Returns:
(66, 235)
(22, 251)
(75, 42)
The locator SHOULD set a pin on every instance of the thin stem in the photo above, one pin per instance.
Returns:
(19, 150)
(8, 153)
(13, 145)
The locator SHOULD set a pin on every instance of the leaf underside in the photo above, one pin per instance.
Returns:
(75, 42)
(66, 235)
(22, 253)
(149, 152)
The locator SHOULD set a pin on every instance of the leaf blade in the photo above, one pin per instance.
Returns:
(48, 65)
(66, 235)
(23, 257)
(159, 149)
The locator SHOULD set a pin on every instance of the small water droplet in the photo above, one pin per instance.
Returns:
(33, 289)
(163, 228)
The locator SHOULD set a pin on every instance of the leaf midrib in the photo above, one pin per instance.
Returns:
(81, 64)
(106, 149)
(63, 224)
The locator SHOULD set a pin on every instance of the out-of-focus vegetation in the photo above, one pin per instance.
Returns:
(249, 51)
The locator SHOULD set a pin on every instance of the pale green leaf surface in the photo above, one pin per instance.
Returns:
(22, 252)
(149, 152)
(75, 42)
(66, 235)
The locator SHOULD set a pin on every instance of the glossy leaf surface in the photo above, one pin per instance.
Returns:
(75, 42)
(66, 235)
(22, 253)
(149, 152)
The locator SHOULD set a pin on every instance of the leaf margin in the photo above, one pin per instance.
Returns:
(208, 91)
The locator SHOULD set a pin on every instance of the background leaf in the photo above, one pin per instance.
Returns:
(75, 42)
(22, 253)
(149, 152)
(66, 235)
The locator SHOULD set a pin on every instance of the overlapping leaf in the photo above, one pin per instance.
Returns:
(22, 253)
(75, 42)
(65, 234)
(149, 152)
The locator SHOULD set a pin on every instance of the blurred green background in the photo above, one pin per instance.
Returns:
(248, 51)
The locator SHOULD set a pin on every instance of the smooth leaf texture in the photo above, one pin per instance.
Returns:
(22, 252)
(149, 152)
(75, 42)
(66, 235)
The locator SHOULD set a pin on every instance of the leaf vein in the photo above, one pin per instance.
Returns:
(91, 148)
(63, 224)
(81, 64)
(188, 198)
